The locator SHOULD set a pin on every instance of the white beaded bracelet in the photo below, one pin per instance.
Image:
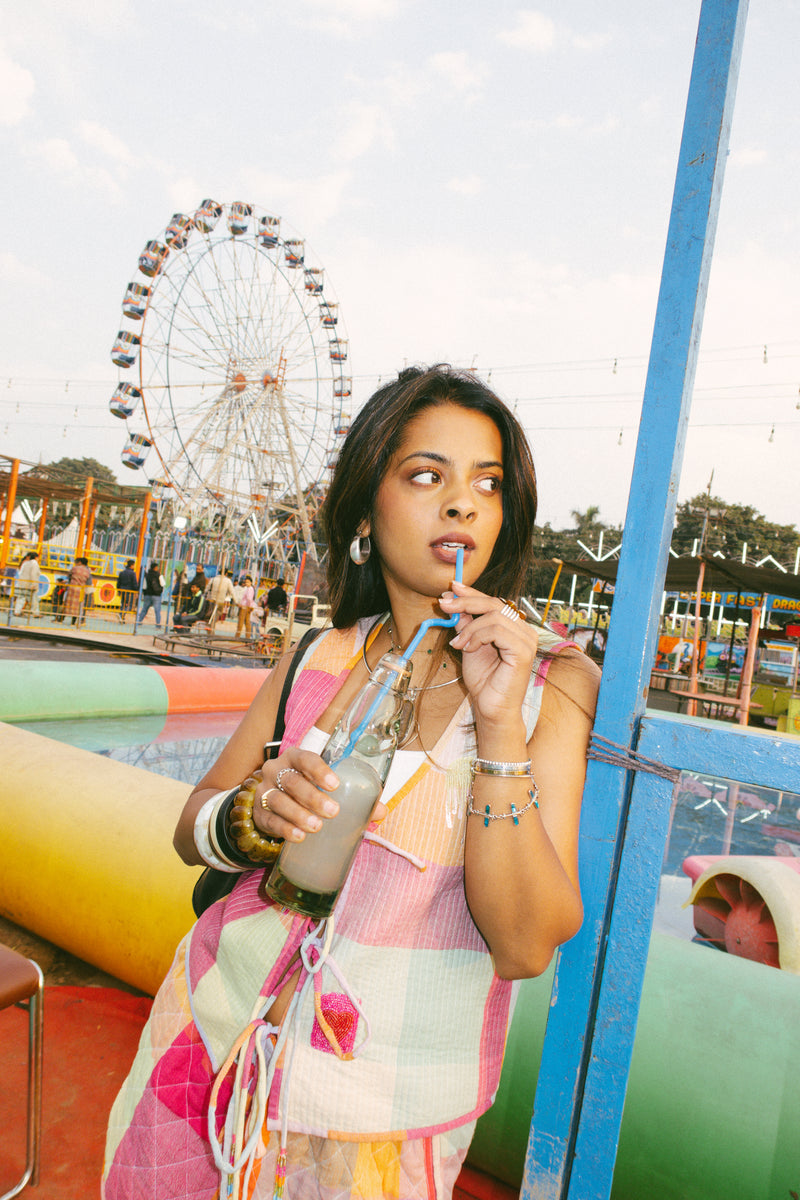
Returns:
(202, 836)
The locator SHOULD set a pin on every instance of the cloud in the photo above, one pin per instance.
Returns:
(361, 126)
(566, 122)
(748, 156)
(108, 143)
(17, 86)
(462, 75)
(58, 154)
(62, 162)
(534, 30)
(310, 202)
(467, 185)
(345, 18)
(17, 273)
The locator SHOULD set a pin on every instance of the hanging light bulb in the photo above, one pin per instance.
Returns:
(614, 368)
(619, 439)
(771, 437)
(765, 355)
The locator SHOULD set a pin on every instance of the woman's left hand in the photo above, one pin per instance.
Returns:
(497, 651)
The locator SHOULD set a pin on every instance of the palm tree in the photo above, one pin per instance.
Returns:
(586, 522)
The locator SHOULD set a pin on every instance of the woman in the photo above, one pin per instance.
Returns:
(353, 1059)
(80, 580)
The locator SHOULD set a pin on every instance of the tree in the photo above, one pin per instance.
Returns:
(78, 470)
(587, 523)
(729, 527)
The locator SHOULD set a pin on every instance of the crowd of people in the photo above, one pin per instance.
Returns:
(220, 598)
(195, 597)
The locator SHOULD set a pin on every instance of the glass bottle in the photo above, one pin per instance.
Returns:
(309, 875)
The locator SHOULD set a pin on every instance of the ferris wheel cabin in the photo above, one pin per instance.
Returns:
(314, 277)
(124, 401)
(207, 215)
(342, 388)
(239, 217)
(329, 313)
(125, 348)
(338, 350)
(152, 258)
(134, 302)
(294, 252)
(178, 230)
(135, 452)
(268, 231)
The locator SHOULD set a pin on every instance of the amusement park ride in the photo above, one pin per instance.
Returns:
(231, 355)
(231, 369)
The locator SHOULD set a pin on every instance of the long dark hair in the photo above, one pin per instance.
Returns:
(359, 591)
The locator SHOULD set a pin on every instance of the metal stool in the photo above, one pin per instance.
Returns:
(22, 983)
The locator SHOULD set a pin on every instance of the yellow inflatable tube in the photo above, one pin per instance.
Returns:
(86, 857)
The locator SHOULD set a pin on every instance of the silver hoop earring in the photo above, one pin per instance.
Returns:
(360, 549)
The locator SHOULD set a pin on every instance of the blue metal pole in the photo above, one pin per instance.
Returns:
(563, 1160)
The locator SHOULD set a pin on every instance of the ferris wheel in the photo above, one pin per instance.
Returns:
(232, 366)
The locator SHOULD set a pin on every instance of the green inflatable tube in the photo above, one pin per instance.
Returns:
(713, 1102)
(35, 690)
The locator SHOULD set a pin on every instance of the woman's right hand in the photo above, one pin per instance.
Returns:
(295, 796)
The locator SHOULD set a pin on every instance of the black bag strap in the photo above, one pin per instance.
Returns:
(272, 750)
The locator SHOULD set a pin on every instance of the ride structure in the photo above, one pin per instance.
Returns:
(232, 361)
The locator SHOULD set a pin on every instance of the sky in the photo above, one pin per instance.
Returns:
(487, 185)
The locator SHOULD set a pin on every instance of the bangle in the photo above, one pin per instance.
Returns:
(247, 839)
(515, 813)
(221, 844)
(485, 766)
(210, 853)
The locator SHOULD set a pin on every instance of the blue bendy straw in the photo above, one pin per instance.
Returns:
(437, 622)
(432, 622)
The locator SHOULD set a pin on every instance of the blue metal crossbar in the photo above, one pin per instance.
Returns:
(594, 1005)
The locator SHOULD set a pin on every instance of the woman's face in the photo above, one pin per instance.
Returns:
(442, 489)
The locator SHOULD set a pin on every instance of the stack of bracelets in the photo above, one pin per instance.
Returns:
(225, 834)
(503, 770)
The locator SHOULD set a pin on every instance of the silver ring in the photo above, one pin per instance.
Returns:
(283, 771)
(263, 799)
(511, 611)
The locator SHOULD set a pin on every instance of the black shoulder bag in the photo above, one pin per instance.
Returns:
(214, 884)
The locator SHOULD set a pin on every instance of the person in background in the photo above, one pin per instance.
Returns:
(128, 588)
(238, 588)
(247, 601)
(192, 610)
(80, 580)
(180, 593)
(26, 592)
(151, 593)
(200, 578)
(59, 596)
(277, 599)
(220, 593)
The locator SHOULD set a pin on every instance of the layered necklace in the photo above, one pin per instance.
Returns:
(412, 692)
